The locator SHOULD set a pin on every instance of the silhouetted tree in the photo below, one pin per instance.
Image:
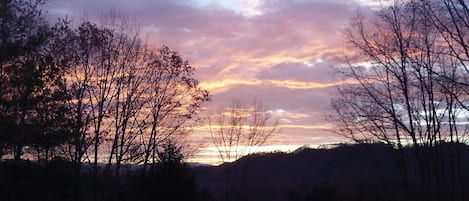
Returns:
(92, 93)
(450, 18)
(170, 178)
(31, 79)
(402, 95)
(175, 99)
(236, 131)
(128, 96)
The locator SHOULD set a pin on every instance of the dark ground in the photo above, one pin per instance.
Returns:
(344, 173)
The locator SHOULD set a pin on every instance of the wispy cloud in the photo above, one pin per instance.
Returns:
(278, 52)
(226, 84)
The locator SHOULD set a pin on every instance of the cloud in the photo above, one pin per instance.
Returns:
(278, 52)
(312, 70)
(216, 37)
(226, 84)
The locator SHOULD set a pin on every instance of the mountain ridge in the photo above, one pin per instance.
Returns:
(345, 170)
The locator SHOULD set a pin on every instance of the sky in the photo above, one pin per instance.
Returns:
(278, 52)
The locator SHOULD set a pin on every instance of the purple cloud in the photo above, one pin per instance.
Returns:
(273, 57)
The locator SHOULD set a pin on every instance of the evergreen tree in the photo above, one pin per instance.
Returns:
(32, 112)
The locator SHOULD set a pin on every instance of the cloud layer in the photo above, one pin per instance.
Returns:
(278, 52)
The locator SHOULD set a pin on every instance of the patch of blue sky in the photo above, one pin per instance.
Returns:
(244, 7)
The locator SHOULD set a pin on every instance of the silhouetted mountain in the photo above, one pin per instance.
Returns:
(347, 172)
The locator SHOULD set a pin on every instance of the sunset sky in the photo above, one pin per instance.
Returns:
(278, 52)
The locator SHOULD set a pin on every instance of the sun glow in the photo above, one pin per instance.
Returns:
(210, 155)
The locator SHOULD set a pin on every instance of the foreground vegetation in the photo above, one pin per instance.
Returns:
(58, 180)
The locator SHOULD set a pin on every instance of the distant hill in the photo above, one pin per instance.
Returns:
(355, 172)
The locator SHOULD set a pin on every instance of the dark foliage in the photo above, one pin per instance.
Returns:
(170, 178)
(26, 180)
(58, 180)
(32, 97)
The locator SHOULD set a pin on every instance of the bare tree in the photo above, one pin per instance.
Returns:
(236, 131)
(128, 96)
(95, 93)
(129, 57)
(174, 99)
(85, 47)
(402, 96)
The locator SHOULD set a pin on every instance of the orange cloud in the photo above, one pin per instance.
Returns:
(217, 86)
(292, 84)
(225, 84)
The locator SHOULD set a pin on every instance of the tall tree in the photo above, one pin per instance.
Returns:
(127, 96)
(402, 96)
(174, 99)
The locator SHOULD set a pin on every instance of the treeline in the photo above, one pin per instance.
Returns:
(58, 180)
(90, 97)
(94, 92)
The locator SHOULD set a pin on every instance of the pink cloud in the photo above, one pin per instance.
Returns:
(281, 44)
